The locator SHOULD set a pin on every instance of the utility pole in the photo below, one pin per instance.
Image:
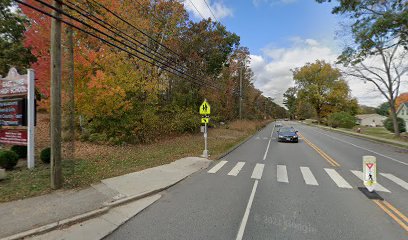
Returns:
(240, 93)
(70, 88)
(56, 173)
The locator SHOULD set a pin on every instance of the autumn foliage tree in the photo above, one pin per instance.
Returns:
(322, 87)
(120, 98)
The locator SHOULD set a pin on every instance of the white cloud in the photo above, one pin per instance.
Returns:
(217, 8)
(273, 75)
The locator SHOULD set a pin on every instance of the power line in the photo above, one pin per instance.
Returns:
(142, 32)
(145, 47)
(165, 68)
(162, 65)
(211, 10)
(197, 9)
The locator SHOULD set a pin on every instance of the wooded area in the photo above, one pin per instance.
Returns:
(122, 98)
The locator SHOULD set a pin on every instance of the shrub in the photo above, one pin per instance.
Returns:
(8, 159)
(46, 155)
(20, 150)
(390, 126)
(341, 119)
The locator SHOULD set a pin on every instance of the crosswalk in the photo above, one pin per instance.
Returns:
(309, 178)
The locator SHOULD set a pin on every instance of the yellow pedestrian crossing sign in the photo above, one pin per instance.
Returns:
(205, 108)
(205, 120)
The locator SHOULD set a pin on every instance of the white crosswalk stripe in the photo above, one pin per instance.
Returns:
(258, 170)
(337, 178)
(378, 186)
(236, 169)
(217, 167)
(395, 179)
(282, 173)
(308, 176)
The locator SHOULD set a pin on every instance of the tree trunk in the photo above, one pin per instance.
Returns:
(394, 118)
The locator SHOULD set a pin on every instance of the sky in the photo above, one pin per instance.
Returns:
(283, 35)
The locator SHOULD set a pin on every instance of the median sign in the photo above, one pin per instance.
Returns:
(370, 172)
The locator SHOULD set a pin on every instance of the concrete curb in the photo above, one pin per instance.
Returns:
(242, 142)
(54, 225)
(91, 214)
(362, 136)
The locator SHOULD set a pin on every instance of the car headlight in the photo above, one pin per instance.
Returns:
(280, 136)
(295, 136)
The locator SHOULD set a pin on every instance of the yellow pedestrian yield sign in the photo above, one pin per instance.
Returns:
(205, 120)
(205, 108)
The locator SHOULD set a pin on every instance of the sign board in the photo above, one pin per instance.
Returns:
(13, 136)
(205, 120)
(12, 112)
(14, 84)
(17, 112)
(205, 108)
(370, 172)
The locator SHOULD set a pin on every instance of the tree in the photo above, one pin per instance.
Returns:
(378, 18)
(290, 101)
(366, 109)
(378, 54)
(383, 109)
(402, 98)
(12, 51)
(321, 86)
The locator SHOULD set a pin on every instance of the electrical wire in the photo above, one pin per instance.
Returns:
(164, 67)
(196, 9)
(98, 21)
(211, 10)
(114, 39)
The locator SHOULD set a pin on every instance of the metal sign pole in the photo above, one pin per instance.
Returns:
(30, 118)
(205, 152)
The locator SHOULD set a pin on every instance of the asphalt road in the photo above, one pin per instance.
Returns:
(305, 190)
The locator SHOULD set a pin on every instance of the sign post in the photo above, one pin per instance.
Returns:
(30, 118)
(205, 110)
(370, 172)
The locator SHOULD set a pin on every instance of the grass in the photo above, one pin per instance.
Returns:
(380, 132)
(95, 162)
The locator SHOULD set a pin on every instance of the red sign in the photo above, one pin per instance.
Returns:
(13, 136)
(370, 165)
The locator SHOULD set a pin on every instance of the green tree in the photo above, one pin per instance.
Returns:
(341, 119)
(375, 19)
(321, 86)
(383, 109)
(290, 101)
(379, 31)
(12, 51)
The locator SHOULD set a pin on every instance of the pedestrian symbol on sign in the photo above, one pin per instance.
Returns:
(205, 108)
(370, 172)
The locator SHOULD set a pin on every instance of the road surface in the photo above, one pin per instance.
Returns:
(270, 190)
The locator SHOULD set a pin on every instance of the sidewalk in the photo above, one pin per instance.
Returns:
(360, 135)
(44, 213)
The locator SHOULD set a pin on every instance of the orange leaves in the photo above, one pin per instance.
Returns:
(402, 98)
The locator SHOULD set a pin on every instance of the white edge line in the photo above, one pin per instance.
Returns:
(382, 155)
(273, 129)
(246, 214)
(267, 149)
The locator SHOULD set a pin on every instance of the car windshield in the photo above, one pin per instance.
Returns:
(287, 129)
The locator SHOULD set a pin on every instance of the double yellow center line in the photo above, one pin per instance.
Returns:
(329, 159)
(400, 218)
